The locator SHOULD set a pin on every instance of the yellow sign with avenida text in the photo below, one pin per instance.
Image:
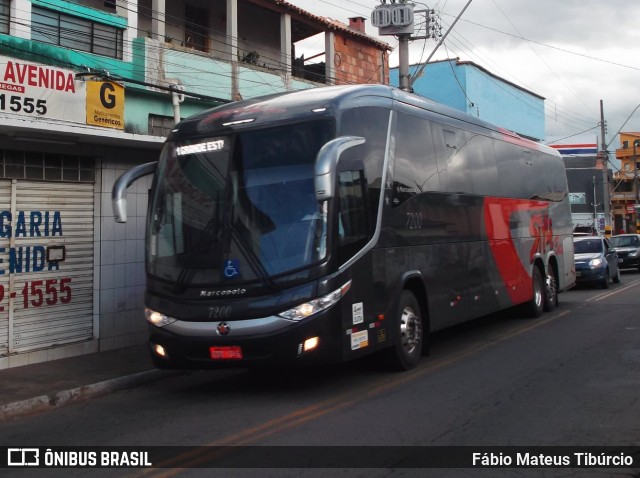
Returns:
(105, 104)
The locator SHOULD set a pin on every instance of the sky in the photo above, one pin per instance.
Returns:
(573, 53)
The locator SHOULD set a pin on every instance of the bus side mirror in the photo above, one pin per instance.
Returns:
(119, 191)
(327, 162)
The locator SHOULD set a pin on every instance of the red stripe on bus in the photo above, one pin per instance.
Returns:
(514, 269)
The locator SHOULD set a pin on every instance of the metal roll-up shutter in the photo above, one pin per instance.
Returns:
(5, 201)
(51, 264)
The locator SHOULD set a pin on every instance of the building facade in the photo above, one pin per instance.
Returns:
(89, 89)
(469, 87)
(585, 181)
(625, 194)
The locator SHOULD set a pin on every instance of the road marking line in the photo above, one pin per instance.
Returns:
(200, 456)
(606, 295)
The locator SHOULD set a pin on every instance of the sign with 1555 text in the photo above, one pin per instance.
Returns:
(31, 90)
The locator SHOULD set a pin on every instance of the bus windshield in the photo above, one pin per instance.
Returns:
(238, 208)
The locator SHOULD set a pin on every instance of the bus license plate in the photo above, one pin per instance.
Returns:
(230, 352)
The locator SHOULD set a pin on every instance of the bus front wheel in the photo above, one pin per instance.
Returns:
(409, 336)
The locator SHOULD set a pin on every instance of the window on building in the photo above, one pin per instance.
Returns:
(623, 187)
(4, 16)
(160, 125)
(46, 166)
(75, 33)
(195, 28)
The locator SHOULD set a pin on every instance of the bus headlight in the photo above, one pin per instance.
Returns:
(312, 307)
(157, 318)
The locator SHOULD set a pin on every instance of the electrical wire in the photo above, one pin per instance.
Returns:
(554, 47)
(569, 119)
(553, 72)
(561, 118)
(278, 66)
(573, 135)
(107, 67)
(194, 73)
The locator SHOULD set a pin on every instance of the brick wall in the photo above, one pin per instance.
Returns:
(357, 62)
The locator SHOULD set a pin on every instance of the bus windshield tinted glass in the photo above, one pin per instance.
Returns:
(238, 208)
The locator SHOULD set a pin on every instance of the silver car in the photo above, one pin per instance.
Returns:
(628, 248)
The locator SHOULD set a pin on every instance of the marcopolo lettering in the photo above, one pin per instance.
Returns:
(31, 224)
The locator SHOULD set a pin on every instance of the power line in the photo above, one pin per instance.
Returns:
(572, 117)
(71, 33)
(553, 47)
(576, 123)
(275, 64)
(540, 57)
(576, 134)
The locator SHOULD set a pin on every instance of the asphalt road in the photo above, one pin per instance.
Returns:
(569, 378)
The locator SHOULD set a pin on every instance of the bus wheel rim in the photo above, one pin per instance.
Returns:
(410, 330)
(537, 292)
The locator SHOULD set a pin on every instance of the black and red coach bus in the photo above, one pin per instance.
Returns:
(327, 224)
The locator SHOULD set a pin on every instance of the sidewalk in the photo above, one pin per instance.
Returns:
(44, 386)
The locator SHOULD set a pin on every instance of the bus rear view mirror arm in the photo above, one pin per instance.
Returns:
(327, 161)
(119, 191)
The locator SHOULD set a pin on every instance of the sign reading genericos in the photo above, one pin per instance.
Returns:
(105, 104)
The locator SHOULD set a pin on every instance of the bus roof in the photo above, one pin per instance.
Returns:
(280, 107)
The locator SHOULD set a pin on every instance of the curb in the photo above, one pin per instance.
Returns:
(64, 397)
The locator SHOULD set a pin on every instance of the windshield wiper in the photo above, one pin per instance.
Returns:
(247, 251)
(211, 232)
(252, 259)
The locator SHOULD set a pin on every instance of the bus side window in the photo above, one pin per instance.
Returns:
(450, 144)
(484, 175)
(415, 168)
(510, 171)
(370, 122)
(353, 214)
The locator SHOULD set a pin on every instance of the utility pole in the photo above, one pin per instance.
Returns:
(397, 19)
(604, 155)
(404, 80)
(595, 205)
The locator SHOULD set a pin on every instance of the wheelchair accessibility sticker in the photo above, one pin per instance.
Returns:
(231, 268)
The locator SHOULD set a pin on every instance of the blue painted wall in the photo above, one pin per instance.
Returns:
(471, 89)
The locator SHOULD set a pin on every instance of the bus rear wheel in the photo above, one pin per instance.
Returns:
(551, 290)
(409, 336)
(535, 307)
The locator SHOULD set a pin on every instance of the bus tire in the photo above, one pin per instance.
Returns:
(551, 290)
(409, 336)
(535, 307)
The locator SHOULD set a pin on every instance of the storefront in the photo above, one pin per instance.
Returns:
(71, 280)
(46, 248)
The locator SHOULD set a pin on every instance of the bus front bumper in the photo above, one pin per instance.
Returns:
(246, 343)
